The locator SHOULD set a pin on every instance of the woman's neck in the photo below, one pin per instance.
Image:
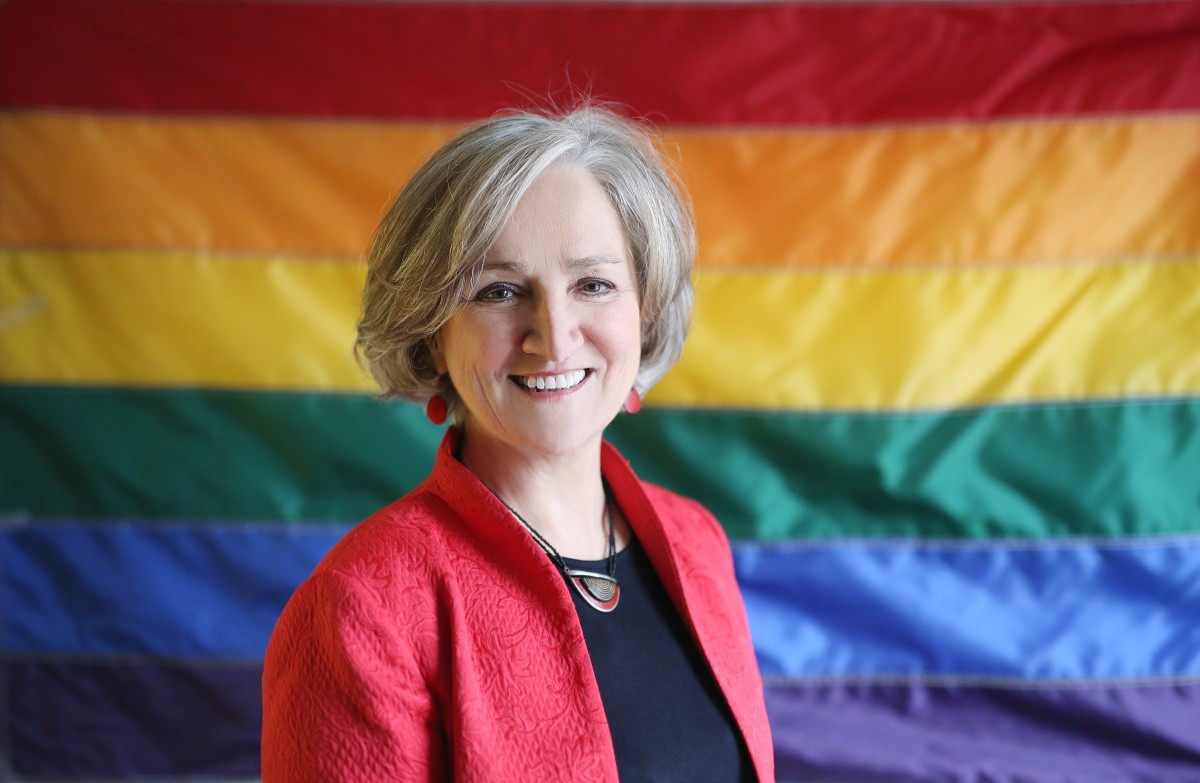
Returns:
(561, 496)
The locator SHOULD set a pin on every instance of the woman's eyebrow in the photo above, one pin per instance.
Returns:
(502, 266)
(586, 262)
(574, 264)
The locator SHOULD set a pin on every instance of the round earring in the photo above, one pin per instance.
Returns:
(633, 402)
(435, 409)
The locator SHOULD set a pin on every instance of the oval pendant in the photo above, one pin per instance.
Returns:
(599, 590)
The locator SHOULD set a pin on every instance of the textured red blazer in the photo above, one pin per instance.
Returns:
(436, 641)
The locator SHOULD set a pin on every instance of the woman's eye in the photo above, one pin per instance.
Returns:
(499, 292)
(596, 286)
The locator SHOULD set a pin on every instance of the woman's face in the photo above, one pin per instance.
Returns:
(546, 348)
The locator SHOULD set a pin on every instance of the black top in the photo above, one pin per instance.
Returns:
(668, 718)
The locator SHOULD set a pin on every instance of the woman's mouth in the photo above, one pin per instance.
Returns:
(550, 382)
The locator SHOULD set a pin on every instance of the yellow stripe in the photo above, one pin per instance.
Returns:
(170, 320)
(861, 340)
(1090, 189)
(920, 338)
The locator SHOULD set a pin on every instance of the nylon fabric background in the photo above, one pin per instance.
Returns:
(942, 388)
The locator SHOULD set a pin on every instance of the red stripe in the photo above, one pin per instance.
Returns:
(705, 63)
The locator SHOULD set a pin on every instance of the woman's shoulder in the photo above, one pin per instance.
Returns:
(664, 499)
(407, 537)
(684, 516)
(383, 575)
(685, 521)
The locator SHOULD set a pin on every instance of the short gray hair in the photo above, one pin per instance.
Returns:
(433, 240)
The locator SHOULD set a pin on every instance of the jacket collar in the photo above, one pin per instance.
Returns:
(456, 484)
(490, 521)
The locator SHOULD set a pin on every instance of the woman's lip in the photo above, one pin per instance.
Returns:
(547, 374)
(519, 381)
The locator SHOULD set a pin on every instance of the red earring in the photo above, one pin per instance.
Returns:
(633, 403)
(435, 409)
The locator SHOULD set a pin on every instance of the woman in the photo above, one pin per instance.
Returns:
(532, 611)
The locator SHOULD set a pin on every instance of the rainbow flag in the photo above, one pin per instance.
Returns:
(943, 386)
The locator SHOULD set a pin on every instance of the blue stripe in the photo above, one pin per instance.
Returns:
(1047, 611)
(1067, 610)
(190, 591)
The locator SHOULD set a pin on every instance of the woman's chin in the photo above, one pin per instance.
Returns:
(545, 432)
(559, 438)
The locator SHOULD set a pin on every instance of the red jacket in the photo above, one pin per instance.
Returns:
(437, 641)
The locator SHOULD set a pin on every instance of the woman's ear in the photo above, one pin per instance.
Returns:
(435, 350)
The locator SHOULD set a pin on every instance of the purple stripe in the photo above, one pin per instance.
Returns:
(895, 733)
(125, 720)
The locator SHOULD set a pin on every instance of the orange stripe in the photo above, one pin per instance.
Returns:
(901, 196)
(290, 187)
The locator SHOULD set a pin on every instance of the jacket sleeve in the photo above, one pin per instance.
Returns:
(344, 696)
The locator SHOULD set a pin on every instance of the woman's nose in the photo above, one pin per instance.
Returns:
(555, 330)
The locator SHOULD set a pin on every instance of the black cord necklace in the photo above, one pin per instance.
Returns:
(600, 591)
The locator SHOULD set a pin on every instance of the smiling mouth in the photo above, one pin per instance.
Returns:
(543, 383)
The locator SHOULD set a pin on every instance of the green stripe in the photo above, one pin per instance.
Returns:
(1097, 469)
(211, 455)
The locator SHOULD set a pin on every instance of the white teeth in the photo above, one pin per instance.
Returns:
(544, 383)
